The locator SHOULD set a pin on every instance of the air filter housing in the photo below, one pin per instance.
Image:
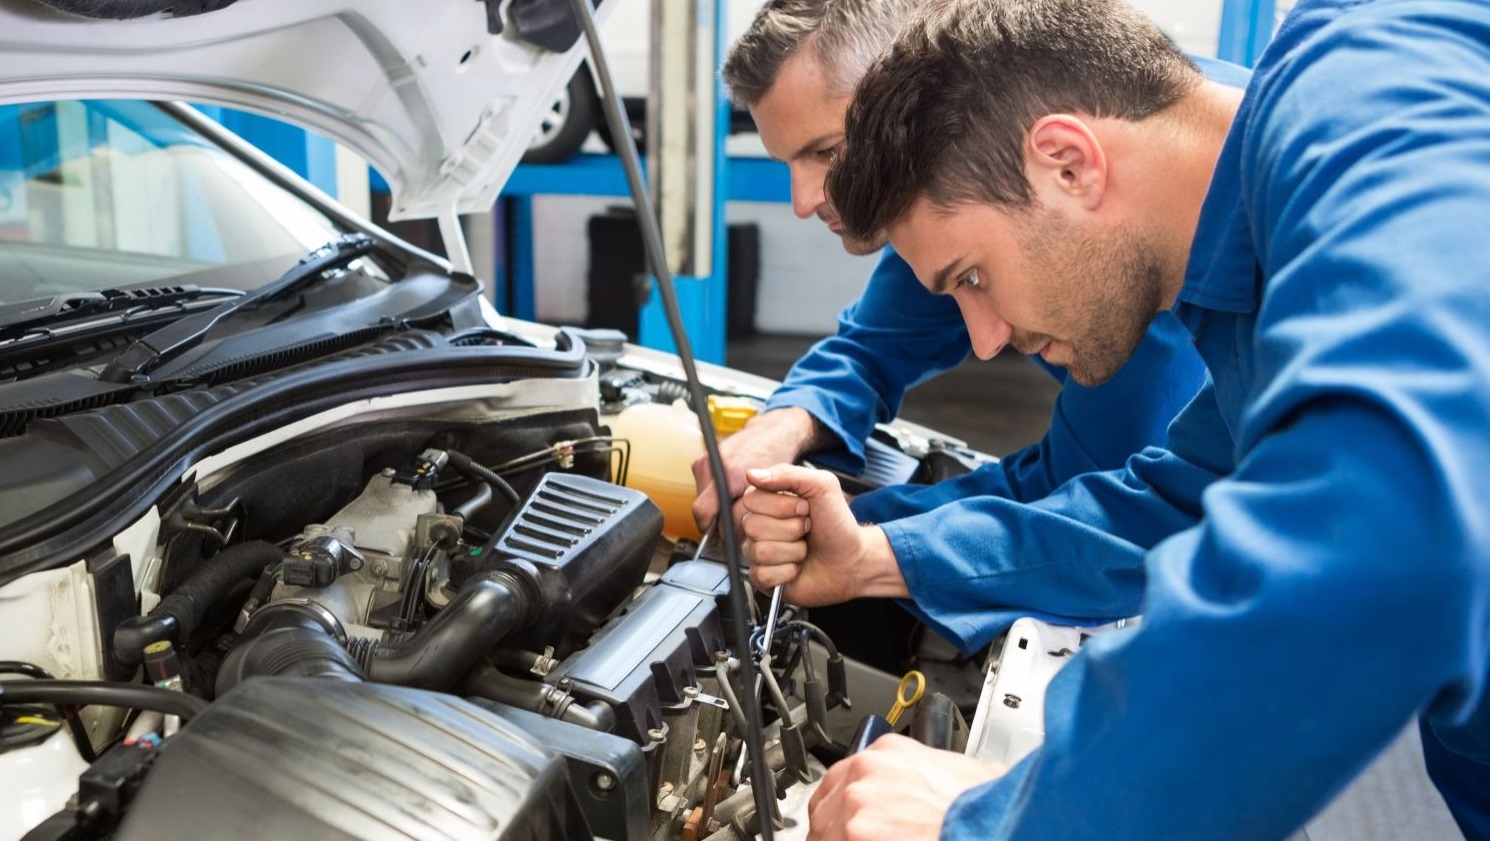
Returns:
(586, 544)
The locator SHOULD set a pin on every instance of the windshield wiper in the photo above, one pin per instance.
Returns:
(19, 319)
(140, 358)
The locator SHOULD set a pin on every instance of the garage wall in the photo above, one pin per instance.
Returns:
(806, 277)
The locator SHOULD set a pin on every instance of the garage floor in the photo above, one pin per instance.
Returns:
(1003, 404)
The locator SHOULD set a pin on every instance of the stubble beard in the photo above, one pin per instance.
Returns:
(1107, 287)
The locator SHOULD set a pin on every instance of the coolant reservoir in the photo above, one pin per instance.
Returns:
(665, 441)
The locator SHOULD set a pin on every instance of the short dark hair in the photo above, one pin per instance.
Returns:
(847, 34)
(944, 112)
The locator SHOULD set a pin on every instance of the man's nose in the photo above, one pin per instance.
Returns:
(988, 332)
(807, 192)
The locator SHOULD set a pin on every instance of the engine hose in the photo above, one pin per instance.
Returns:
(293, 638)
(477, 501)
(106, 693)
(471, 470)
(486, 610)
(491, 684)
(669, 391)
(177, 615)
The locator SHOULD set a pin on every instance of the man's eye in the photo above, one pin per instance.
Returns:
(969, 279)
(828, 154)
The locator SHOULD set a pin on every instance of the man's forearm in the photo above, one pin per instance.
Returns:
(797, 424)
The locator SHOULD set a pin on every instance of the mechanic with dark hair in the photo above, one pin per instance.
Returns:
(795, 68)
(1311, 538)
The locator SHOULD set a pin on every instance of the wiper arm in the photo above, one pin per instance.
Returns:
(140, 358)
(18, 319)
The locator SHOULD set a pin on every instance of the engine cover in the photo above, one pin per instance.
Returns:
(644, 659)
(309, 758)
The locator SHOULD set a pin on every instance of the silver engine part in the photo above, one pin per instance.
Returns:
(369, 547)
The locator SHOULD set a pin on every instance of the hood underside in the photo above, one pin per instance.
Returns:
(441, 96)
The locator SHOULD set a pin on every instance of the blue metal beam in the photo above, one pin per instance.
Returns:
(746, 179)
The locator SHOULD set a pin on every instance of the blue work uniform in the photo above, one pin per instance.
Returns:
(1337, 581)
(898, 335)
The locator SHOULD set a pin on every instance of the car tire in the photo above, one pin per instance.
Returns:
(638, 133)
(567, 123)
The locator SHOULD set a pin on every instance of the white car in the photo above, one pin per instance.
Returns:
(628, 37)
(299, 538)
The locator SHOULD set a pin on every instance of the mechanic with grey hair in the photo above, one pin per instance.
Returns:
(795, 68)
(1058, 168)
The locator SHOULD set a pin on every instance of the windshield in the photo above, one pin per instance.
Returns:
(102, 194)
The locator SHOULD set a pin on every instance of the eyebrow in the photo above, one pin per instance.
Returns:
(814, 143)
(939, 280)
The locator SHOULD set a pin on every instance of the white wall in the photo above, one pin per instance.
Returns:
(1194, 24)
(806, 277)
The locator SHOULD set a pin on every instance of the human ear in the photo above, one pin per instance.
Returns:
(1064, 157)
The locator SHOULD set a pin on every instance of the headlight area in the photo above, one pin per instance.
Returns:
(415, 626)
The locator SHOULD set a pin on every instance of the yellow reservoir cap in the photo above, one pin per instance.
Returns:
(730, 414)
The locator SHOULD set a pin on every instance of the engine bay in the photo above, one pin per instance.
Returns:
(417, 623)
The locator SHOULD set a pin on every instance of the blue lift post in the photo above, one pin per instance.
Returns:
(1246, 28)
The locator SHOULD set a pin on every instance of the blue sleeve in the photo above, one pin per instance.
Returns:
(894, 337)
(1340, 582)
(1091, 429)
(975, 565)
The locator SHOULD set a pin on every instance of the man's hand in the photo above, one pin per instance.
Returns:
(779, 436)
(896, 790)
(799, 532)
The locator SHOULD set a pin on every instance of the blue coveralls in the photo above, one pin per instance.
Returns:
(1339, 582)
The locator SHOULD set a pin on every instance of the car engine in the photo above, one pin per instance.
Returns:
(419, 629)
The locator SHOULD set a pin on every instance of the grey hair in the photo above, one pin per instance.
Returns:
(847, 35)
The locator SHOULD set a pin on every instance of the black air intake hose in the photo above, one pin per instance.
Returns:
(297, 638)
(303, 639)
(486, 610)
(177, 614)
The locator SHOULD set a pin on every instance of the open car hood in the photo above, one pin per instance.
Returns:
(441, 96)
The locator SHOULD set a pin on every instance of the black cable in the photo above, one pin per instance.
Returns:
(68, 712)
(104, 693)
(20, 667)
(817, 633)
(620, 128)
